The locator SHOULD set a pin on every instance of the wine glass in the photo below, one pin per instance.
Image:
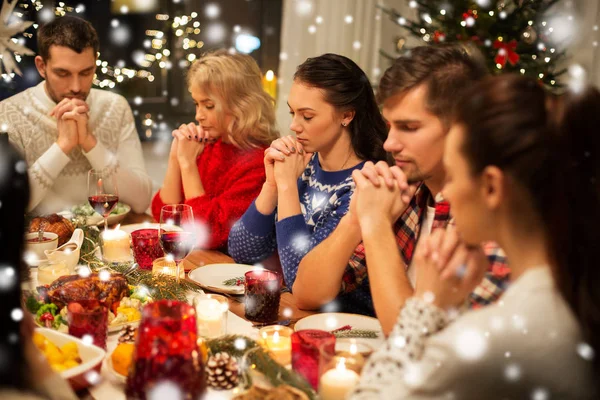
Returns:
(177, 232)
(102, 192)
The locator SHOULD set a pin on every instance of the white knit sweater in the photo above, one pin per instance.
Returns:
(526, 346)
(59, 181)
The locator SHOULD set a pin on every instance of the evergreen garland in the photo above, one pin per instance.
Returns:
(159, 286)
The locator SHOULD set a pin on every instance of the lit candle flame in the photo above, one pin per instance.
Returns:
(341, 365)
(276, 337)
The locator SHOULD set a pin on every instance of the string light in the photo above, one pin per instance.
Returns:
(185, 27)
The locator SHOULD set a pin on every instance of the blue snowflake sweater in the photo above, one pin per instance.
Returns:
(324, 200)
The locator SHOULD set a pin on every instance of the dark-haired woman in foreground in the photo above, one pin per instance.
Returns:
(24, 372)
(309, 184)
(523, 171)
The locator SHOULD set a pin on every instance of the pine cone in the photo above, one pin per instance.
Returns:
(222, 371)
(128, 334)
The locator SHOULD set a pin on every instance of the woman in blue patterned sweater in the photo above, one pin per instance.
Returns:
(308, 187)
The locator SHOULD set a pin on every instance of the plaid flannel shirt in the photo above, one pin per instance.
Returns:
(407, 229)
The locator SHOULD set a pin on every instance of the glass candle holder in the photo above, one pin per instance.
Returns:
(146, 247)
(167, 350)
(352, 348)
(277, 340)
(263, 293)
(307, 347)
(48, 273)
(339, 375)
(211, 314)
(166, 266)
(88, 318)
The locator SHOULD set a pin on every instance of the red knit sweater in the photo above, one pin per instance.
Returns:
(232, 179)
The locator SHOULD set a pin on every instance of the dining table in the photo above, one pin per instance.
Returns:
(288, 309)
(110, 388)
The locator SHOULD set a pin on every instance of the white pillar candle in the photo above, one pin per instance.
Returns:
(337, 383)
(210, 314)
(116, 245)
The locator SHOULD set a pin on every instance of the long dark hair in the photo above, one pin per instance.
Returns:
(14, 197)
(550, 146)
(346, 87)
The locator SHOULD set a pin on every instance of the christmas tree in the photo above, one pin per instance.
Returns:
(512, 35)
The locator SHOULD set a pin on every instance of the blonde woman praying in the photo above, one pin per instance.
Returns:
(216, 164)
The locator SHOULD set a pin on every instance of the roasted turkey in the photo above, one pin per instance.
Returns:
(53, 223)
(70, 288)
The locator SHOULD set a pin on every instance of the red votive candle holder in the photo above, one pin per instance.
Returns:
(146, 247)
(263, 293)
(88, 317)
(307, 348)
(167, 350)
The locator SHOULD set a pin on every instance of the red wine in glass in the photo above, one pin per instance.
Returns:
(177, 232)
(103, 204)
(102, 192)
(177, 244)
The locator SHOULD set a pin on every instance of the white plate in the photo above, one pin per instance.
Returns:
(332, 321)
(97, 219)
(111, 328)
(91, 357)
(118, 327)
(212, 276)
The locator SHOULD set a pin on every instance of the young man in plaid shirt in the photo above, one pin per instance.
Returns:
(417, 94)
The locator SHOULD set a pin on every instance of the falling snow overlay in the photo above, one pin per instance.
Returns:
(232, 178)
(527, 37)
(58, 181)
(426, 353)
(324, 200)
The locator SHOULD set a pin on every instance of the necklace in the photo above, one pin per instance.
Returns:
(345, 162)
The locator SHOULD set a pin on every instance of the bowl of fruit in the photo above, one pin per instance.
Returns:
(75, 361)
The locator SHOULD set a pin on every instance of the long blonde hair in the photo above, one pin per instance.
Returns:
(235, 79)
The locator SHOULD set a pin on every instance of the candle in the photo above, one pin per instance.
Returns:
(355, 352)
(166, 266)
(50, 272)
(337, 383)
(115, 245)
(211, 314)
(277, 340)
(269, 82)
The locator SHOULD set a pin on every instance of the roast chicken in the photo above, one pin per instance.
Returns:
(53, 223)
(70, 288)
